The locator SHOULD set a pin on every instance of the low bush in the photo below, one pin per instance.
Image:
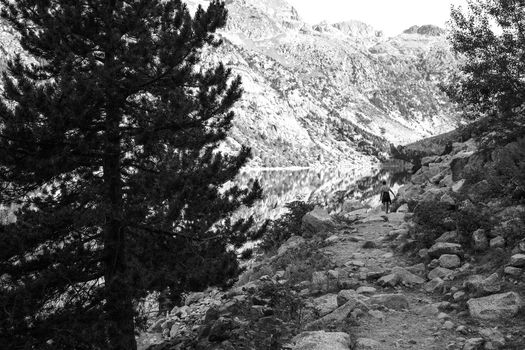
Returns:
(275, 233)
(302, 261)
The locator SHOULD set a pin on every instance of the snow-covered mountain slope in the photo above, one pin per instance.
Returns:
(327, 93)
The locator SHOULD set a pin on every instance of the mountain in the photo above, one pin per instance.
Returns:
(331, 93)
(326, 93)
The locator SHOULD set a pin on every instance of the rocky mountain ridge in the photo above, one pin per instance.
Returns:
(331, 93)
(327, 94)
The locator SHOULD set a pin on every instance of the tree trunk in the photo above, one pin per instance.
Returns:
(119, 306)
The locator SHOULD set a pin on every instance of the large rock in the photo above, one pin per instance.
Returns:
(480, 240)
(474, 344)
(391, 301)
(441, 248)
(478, 285)
(325, 304)
(439, 272)
(497, 306)
(497, 242)
(317, 221)
(449, 261)
(458, 163)
(321, 340)
(517, 260)
(345, 295)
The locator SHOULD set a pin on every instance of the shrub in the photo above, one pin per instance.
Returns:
(432, 219)
(274, 233)
(303, 261)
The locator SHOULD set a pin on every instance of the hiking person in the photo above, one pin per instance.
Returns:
(385, 196)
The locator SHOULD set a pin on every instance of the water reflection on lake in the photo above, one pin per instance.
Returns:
(330, 188)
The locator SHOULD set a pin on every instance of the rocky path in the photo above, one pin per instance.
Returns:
(366, 248)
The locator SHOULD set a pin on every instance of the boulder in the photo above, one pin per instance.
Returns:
(478, 285)
(458, 163)
(317, 221)
(425, 161)
(498, 242)
(449, 261)
(325, 304)
(321, 340)
(435, 285)
(480, 240)
(440, 272)
(391, 301)
(441, 248)
(517, 260)
(496, 306)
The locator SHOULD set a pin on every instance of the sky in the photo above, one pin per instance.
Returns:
(390, 16)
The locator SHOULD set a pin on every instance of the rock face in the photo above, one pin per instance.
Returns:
(321, 341)
(495, 306)
(337, 92)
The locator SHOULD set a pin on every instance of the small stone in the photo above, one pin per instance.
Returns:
(441, 248)
(458, 296)
(366, 290)
(443, 316)
(449, 261)
(448, 325)
(517, 260)
(498, 242)
(513, 271)
(423, 254)
(462, 329)
(433, 264)
(357, 263)
(376, 314)
(332, 239)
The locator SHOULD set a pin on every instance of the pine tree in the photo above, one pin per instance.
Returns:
(489, 36)
(109, 146)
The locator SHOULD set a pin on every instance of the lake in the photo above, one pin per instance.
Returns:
(331, 188)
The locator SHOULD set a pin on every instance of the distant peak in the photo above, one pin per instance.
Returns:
(428, 29)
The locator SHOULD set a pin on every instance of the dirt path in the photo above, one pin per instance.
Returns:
(417, 327)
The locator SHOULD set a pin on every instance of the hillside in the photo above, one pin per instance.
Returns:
(328, 93)
(320, 93)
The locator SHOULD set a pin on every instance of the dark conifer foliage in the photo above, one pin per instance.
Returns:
(109, 145)
(489, 35)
